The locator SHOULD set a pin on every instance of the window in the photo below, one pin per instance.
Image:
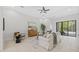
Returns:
(67, 28)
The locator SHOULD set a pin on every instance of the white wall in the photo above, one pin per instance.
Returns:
(1, 30)
(14, 21)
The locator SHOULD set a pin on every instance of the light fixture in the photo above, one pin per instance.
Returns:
(43, 10)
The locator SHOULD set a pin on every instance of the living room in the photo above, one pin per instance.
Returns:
(23, 18)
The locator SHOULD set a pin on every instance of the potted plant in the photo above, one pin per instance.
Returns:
(43, 28)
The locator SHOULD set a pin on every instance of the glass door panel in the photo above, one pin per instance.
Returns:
(72, 28)
(65, 28)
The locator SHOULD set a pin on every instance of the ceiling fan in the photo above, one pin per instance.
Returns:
(43, 10)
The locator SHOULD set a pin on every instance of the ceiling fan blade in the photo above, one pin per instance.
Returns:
(48, 10)
(43, 10)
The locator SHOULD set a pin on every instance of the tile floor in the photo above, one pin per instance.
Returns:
(68, 44)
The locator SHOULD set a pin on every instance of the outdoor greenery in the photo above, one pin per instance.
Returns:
(66, 26)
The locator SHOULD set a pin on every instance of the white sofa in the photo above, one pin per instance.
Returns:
(46, 42)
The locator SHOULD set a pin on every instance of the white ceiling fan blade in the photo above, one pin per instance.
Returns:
(48, 10)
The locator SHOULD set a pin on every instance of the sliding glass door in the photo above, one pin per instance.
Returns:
(72, 28)
(66, 28)
(58, 26)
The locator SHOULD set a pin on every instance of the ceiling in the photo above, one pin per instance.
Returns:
(55, 11)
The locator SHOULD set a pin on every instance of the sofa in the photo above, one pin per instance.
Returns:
(49, 40)
(46, 41)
